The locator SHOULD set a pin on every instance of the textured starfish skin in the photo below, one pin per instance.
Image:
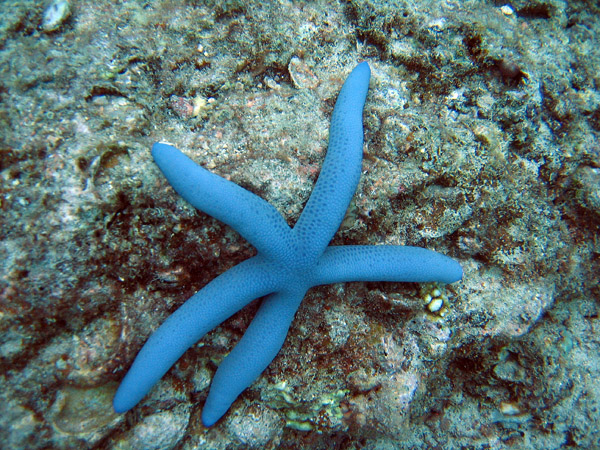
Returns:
(288, 263)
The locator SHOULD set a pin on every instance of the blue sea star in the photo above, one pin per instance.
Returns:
(288, 263)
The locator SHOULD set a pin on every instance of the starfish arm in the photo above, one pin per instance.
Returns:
(210, 306)
(340, 174)
(251, 216)
(384, 263)
(253, 353)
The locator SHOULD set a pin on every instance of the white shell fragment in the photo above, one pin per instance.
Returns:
(55, 14)
(435, 305)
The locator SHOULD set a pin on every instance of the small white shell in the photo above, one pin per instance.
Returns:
(435, 305)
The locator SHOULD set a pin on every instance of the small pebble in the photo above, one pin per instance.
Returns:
(509, 409)
(55, 15)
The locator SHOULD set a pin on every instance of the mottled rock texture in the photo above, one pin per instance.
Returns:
(482, 142)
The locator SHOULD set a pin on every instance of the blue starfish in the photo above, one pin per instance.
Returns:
(288, 263)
